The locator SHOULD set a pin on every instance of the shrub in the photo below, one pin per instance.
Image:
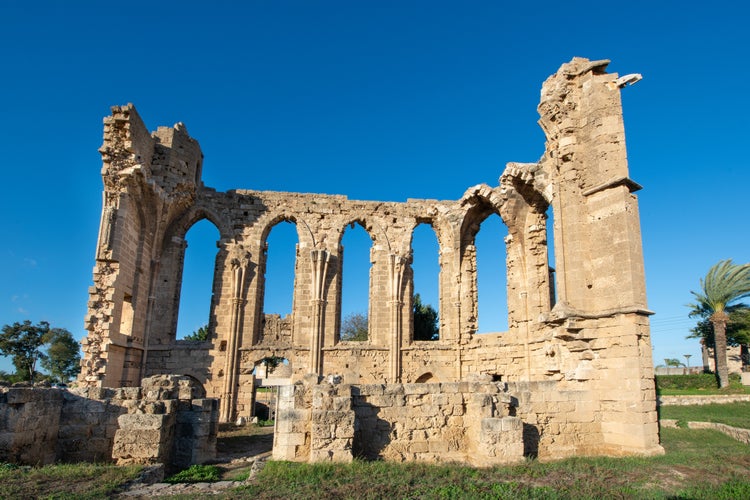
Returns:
(196, 474)
(692, 381)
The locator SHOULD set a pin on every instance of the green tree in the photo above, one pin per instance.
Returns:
(200, 335)
(724, 284)
(673, 363)
(23, 342)
(737, 331)
(272, 362)
(63, 361)
(10, 378)
(425, 321)
(354, 327)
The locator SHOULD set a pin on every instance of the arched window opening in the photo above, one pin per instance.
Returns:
(196, 294)
(270, 372)
(426, 271)
(492, 296)
(272, 367)
(355, 283)
(281, 256)
(551, 257)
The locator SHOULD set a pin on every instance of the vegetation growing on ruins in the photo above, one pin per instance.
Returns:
(196, 474)
(724, 284)
(24, 342)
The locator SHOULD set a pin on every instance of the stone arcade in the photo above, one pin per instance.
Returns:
(572, 375)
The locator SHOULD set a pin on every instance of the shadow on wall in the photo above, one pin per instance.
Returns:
(371, 434)
(43, 426)
(530, 441)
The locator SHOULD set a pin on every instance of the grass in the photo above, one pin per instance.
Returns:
(64, 480)
(196, 474)
(698, 464)
(734, 414)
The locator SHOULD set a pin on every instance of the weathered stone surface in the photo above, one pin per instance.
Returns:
(44, 425)
(578, 337)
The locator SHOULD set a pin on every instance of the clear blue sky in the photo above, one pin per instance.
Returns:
(379, 100)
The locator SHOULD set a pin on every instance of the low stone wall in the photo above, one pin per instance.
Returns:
(165, 421)
(466, 422)
(742, 435)
(701, 400)
(29, 421)
(479, 422)
(88, 422)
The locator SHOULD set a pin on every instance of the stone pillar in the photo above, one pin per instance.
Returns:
(332, 424)
(319, 260)
(494, 436)
(196, 427)
(396, 265)
(145, 438)
(239, 260)
(291, 437)
(598, 250)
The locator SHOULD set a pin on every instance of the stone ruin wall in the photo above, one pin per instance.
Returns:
(468, 422)
(166, 421)
(588, 352)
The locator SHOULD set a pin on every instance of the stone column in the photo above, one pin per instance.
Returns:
(396, 265)
(239, 260)
(319, 260)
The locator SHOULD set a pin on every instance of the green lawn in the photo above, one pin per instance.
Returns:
(698, 464)
(734, 414)
(78, 481)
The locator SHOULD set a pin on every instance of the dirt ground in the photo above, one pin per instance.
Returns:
(238, 448)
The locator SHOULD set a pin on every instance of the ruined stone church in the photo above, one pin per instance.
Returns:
(572, 375)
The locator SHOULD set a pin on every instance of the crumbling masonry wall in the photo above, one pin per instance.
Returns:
(166, 421)
(466, 422)
(591, 343)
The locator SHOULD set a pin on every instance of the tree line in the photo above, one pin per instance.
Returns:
(30, 346)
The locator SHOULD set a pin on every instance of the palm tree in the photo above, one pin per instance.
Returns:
(724, 284)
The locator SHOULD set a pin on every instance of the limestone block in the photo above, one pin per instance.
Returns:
(411, 389)
(145, 437)
(436, 446)
(143, 422)
(419, 447)
(289, 452)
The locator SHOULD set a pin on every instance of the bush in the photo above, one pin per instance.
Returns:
(692, 381)
(196, 474)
